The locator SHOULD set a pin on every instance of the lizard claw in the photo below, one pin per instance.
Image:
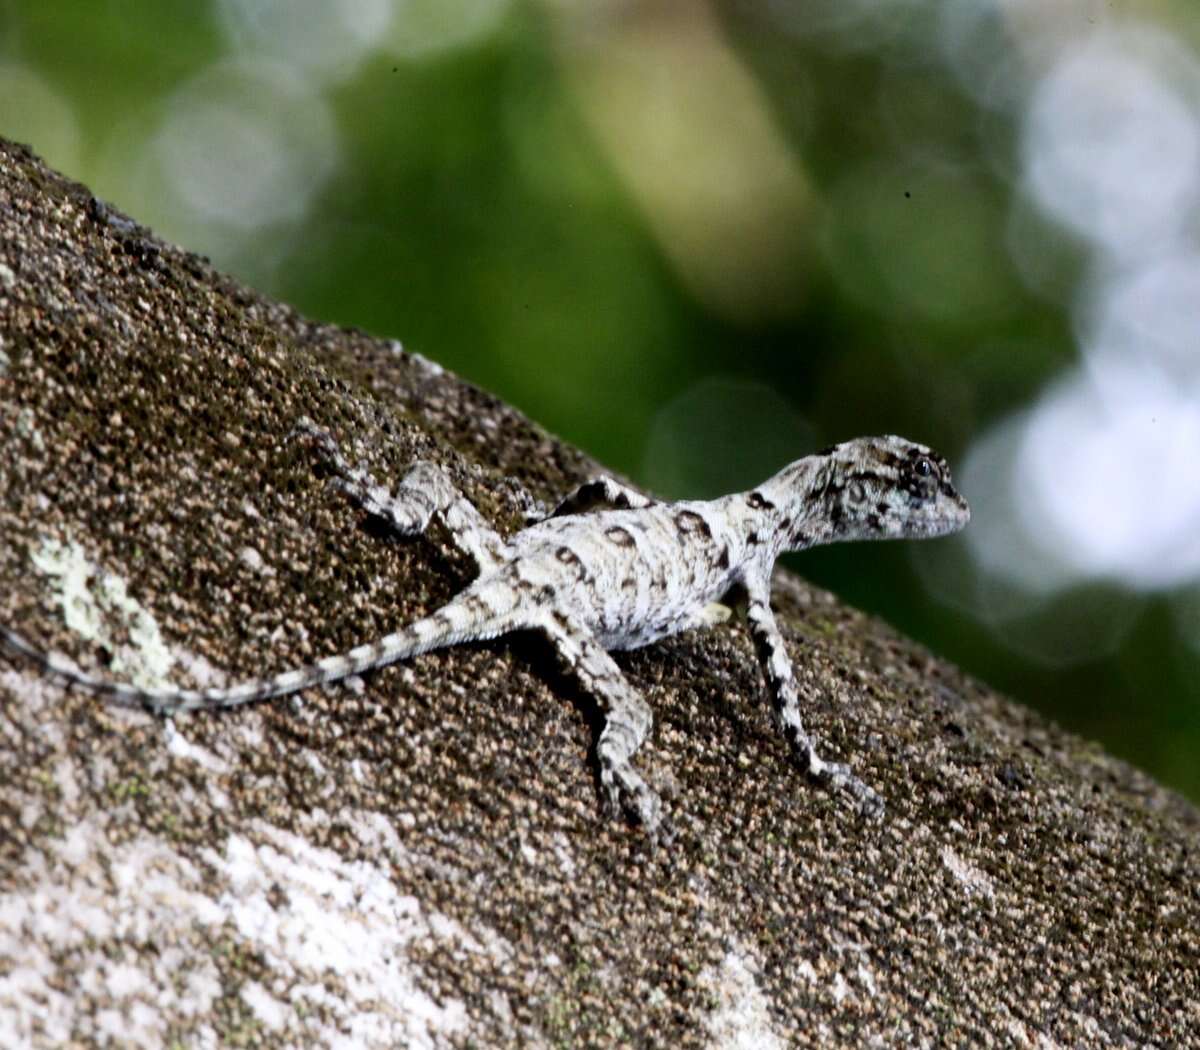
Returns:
(625, 791)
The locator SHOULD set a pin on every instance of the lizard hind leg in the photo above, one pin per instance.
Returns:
(627, 721)
(424, 491)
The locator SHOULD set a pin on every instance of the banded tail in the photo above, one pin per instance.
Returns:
(450, 625)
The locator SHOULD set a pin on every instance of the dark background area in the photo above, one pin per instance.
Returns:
(702, 239)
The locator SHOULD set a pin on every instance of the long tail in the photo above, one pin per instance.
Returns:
(455, 622)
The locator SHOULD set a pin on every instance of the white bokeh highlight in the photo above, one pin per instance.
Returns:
(1108, 476)
(1097, 484)
(246, 145)
(1099, 481)
(1151, 311)
(1111, 145)
(328, 39)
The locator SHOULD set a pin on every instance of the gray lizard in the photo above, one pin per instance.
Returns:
(611, 569)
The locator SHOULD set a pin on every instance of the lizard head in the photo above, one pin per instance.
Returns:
(888, 488)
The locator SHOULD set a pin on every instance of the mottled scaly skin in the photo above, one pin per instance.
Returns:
(611, 569)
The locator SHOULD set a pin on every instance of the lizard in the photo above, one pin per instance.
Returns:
(612, 569)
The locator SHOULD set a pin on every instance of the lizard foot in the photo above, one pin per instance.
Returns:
(625, 791)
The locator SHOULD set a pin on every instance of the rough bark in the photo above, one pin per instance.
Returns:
(422, 860)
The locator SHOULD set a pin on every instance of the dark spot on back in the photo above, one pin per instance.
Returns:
(758, 501)
(688, 522)
(723, 558)
(569, 557)
(619, 536)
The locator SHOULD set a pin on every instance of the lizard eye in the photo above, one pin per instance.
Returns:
(924, 467)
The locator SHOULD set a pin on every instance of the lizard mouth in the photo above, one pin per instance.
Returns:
(958, 516)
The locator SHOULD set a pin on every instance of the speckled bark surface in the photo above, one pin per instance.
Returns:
(422, 860)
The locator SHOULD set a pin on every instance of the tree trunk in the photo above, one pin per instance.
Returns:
(419, 858)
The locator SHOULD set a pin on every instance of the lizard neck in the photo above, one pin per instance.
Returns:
(794, 505)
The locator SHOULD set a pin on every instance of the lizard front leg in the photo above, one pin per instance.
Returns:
(627, 721)
(424, 491)
(772, 654)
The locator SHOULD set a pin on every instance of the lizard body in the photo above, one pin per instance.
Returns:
(594, 580)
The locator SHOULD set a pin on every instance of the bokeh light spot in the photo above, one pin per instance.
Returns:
(1112, 149)
(246, 145)
(325, 38)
